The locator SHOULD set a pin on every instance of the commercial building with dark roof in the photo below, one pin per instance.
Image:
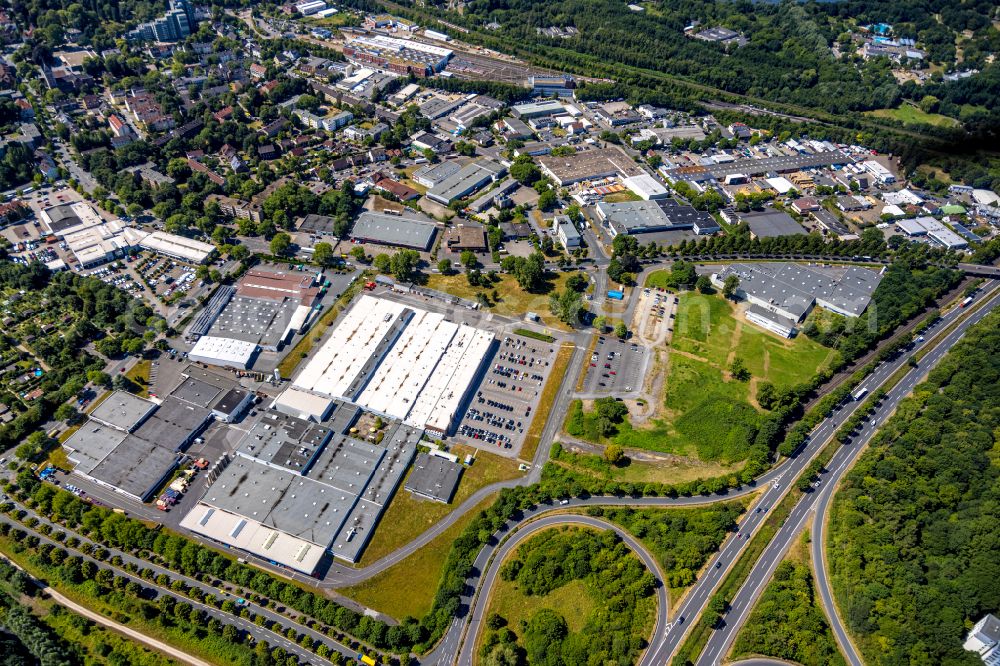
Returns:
(790, 290)
(635, 218)
(297, 490)
(394, 230)
(771, 224)
(320, 225)
(469, 179)
(434, 478)
(133, 445)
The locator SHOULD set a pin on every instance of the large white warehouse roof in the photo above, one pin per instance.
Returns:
(406, 363)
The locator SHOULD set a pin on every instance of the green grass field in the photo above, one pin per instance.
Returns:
(407, 589)
(706, 413)
(514, 301)
(658, 279)
(407, 517)
(913, 115)
(573, 601)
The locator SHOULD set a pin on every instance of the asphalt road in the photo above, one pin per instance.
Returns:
(817, 501)
(480, 602)
(258, 633)
(665, 644)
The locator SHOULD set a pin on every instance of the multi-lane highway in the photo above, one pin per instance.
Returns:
(774, 484)
(815, 504)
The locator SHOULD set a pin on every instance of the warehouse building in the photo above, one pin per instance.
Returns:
(529, 110)
(635, 218)
(178, 247)
(646, 187)
(404, 363)
(264, 311)
(595, 164)
(469, 179)
(224, 352)
(785, 293)
(434, 478)
(430, 175)
(394, 230)
(771, 224)
(296, 491)
(934, 229)
(91, 239)
(131, 445)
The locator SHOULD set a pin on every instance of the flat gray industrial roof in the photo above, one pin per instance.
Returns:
(794, 287)
(91, 444)
(471, 177)
(589, 165)
(280, 499)
(136, 466)
(771, 224)
(230, 401)
(756, 167)
(317, 224)
(342, 495)
(437, 172)
(394, 230)
(258, 320)
(434, 477)
(122, 410)
(196, 392)
(284, 441)
(173, 422)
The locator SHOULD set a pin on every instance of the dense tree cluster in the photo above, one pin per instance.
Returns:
(787, 623)
(681, 539)
(905, 291)
(612, 633)
(103, 312)
(913, 530)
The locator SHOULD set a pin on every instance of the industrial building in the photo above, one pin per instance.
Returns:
(296, 491)
(635, 218)
(469, 179)
(398, 56)
(265, 309)
(781, 295)
(593, 164)
(529, 110)
(91, 239)
(431, 175)
(646, 187)
(131, 445)
(934, 229)
(401, 362)
(757, 167)
(434, 478)
(394, 230)
(178, 247)
(224, 352)
(771, 224)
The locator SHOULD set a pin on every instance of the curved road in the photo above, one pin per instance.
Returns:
(480, 602)
(816, 502)
(696, 599)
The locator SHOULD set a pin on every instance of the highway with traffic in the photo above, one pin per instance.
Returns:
(815, 504)
(775, 484)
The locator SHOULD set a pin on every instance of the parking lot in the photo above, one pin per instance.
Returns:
(168, 278)
(616, 367)
(501, 410)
